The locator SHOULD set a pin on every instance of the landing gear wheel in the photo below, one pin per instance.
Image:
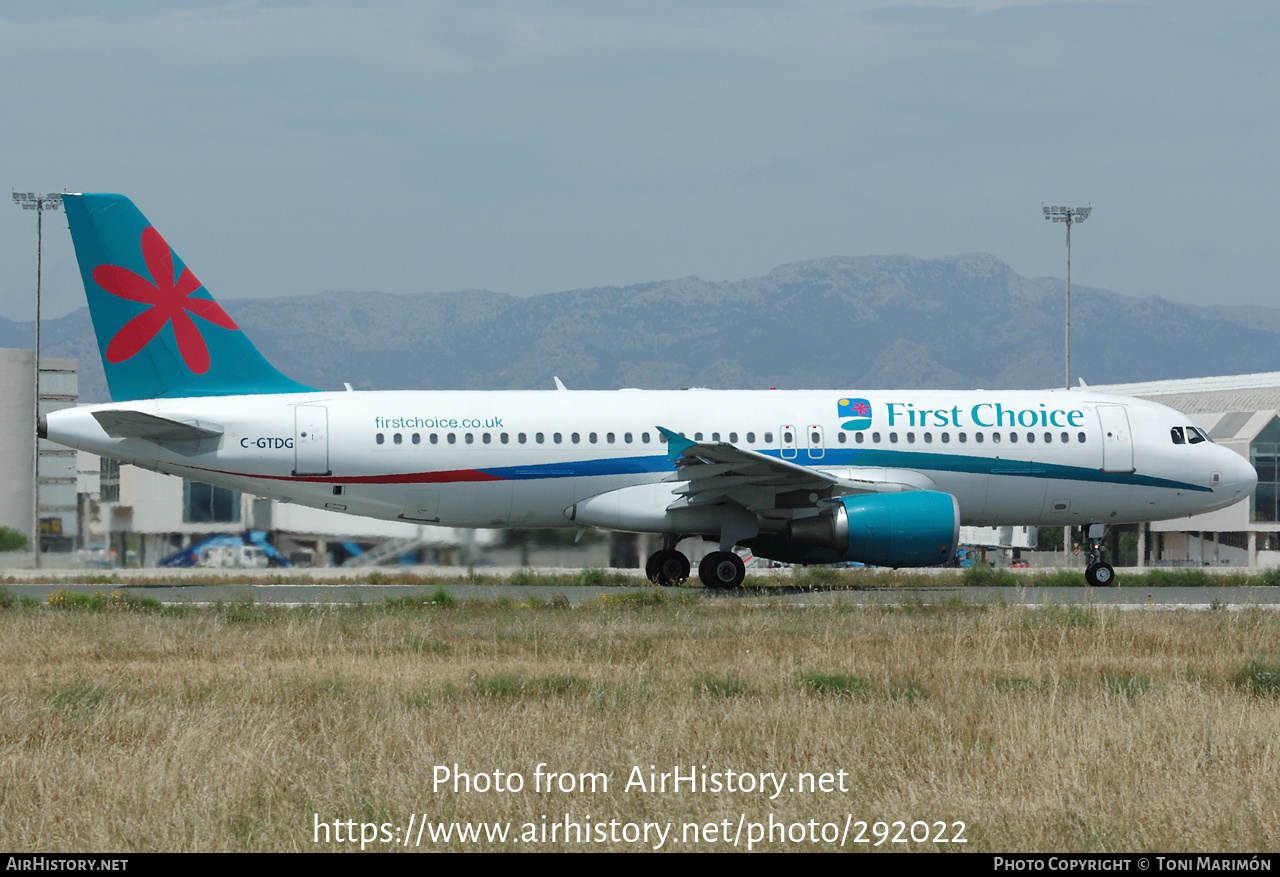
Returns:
(722, 569)
(1100, 575)
(667, 567)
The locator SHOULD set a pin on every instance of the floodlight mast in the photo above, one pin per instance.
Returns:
(1071, 216)
(38, 203)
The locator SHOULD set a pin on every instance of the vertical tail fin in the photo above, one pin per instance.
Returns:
(159, 330)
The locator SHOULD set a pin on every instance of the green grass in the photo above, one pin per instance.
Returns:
(835, 685)
(1259, 679)
(730, 684)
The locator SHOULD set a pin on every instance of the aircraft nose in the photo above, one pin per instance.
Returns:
(1240, 477)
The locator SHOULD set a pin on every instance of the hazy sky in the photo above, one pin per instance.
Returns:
(528, 147)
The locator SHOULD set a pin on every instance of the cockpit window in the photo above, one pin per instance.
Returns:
(1176, 434)
(1195, 436)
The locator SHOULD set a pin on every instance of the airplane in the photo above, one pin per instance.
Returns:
(881, 477)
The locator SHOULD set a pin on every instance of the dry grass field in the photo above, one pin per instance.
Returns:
(125, 727)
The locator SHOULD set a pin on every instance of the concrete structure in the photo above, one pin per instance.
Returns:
(60, 513)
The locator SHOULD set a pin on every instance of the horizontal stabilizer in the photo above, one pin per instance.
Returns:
(135, 424)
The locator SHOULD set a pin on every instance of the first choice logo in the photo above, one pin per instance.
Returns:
(266, 443)
(858, 409)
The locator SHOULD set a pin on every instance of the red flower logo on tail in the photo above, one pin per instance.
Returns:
(170, 300)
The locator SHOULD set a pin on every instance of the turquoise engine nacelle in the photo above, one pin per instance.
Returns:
(915, 528)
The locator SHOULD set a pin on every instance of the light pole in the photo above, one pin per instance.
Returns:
(1071, 216)
(38, 203)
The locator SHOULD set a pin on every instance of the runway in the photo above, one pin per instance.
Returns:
(353, 594)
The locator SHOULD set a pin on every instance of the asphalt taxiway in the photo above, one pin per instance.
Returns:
(319, 594)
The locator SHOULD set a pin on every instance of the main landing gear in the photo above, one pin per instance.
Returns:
(722, 569)
(1098, 573)
(667, 567)
(719, 569)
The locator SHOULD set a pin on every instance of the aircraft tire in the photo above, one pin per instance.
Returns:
(667, 567)
(722, 569)
(1100, 575)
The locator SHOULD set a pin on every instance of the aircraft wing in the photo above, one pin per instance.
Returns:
(713, 472)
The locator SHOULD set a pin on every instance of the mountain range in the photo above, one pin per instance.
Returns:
(844, 323)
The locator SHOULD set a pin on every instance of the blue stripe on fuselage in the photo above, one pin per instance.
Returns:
(835, 457)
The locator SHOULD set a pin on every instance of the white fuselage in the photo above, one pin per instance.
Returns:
(524, 459)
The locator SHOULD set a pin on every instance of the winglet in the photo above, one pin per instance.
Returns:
(559, 384)
(676, 443)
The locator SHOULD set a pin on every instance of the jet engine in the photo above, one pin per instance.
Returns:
(916, 528)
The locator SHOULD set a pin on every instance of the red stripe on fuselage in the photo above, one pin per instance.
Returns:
(451, 477)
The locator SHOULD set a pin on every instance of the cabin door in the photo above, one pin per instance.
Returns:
(1117, 441)
(311, 440)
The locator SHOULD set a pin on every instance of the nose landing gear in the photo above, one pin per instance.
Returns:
(1098, 573)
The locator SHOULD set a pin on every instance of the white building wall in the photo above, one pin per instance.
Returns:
(17, 437)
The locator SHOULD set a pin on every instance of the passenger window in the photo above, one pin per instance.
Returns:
(505, 439)
(893, 438)
(715, 436)
(453, 439)
(768, 438)
(1013, 437)
(841, 438)
(911, 438)
(963, 437)
(946, 438)
(1066, 439)
(978, 437)
(521, 438)
(697, 436)
(1048, 438)
(398, 439)
(995, 437)
(1031, 437)
(486, 438)
(644, 437)
(417, 439)
(928, 437)
(733, 437)
(556, 437)
(627, 438)
(609, 437)
(751, 438)
(539, 438)
(1080, 437)
(575, 438)
(379, 438)
(471, 440)
(814, 438)
(857, 438)
(435, 439)
(875, 437)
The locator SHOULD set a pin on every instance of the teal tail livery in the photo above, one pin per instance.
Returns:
(159, 330)
(880, 477)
